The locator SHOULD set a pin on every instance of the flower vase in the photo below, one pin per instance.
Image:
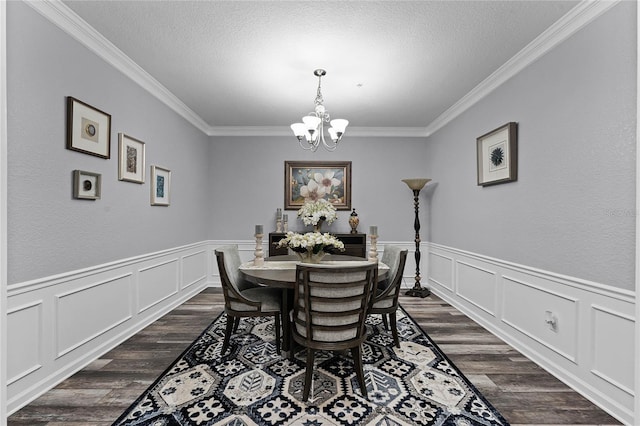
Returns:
(318, 226)
(310, 257)
(354, 221)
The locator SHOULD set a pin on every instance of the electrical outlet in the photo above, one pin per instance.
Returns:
(551, 320)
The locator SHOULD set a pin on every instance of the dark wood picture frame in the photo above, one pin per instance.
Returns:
(88, 129)
(497, 155)
(301, 178)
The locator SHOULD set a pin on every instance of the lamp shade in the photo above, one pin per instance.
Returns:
(333, 134)
(299, 129)
(339, 124)
(311, 122)
(416, 184)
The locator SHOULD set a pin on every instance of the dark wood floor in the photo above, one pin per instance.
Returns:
(523, 392)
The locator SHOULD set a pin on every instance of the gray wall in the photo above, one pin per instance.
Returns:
(572, 210)
(247, 183)
(49, 232)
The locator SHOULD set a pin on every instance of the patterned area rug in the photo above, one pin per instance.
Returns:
(253, 385)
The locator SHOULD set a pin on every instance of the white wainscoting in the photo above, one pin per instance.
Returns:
(57, 325)
(590, 348)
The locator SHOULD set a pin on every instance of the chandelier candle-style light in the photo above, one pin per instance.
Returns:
(312, 127)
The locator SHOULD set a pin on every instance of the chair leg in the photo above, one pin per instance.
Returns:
(236, 324)
(394, 329)
(356, 352)
(278, 333)
(308, 377)
(384, 321)
(227, 334)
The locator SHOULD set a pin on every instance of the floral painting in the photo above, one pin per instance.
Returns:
(315, 180)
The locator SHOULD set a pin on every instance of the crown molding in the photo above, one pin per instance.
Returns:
(67, 20)
(406, 132)
(577, 18)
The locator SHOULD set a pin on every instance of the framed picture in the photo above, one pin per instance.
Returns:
(130, 159)
(86, 185)
(88, 129)
(311, 180)
(498, 155)
(160, 186)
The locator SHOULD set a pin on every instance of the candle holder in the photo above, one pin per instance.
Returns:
(258, 260)
(373, 248)
(279, 219)
(416, 185)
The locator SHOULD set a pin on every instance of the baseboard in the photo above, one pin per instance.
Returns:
(591, 347)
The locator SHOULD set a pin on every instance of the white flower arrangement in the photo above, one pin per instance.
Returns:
(312, 212)
(312, 242)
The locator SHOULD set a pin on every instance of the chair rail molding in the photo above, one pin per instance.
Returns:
(580, 331)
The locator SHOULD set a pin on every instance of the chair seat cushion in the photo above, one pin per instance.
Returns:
(271, 298)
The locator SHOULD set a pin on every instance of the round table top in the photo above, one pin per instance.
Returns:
(280, 271)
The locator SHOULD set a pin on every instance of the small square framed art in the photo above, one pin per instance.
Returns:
(86, 185)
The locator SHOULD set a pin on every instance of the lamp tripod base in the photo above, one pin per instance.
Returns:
(418, 291)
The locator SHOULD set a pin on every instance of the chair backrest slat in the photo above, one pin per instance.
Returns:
(331, 304)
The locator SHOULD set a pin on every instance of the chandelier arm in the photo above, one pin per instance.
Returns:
(329, 147)
(307, 148)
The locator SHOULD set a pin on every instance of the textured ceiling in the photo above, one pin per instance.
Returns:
(389, 63)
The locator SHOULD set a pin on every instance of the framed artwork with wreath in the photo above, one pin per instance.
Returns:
(497, 153)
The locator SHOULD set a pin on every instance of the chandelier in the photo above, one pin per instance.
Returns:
(312, 127)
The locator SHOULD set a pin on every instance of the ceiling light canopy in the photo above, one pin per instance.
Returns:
(311, 130)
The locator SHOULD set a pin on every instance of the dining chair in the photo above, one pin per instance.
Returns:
(329, 312)
(242, 301)
(385, 299)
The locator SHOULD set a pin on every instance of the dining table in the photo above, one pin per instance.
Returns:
(280, 272)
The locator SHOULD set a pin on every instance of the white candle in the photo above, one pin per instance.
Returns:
(278, 213)
(285, 218)
(258, 229)
(373, 230)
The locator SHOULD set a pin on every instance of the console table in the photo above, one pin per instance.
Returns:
(354, 244)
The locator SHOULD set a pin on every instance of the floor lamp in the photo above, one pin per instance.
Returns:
(416, 185)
